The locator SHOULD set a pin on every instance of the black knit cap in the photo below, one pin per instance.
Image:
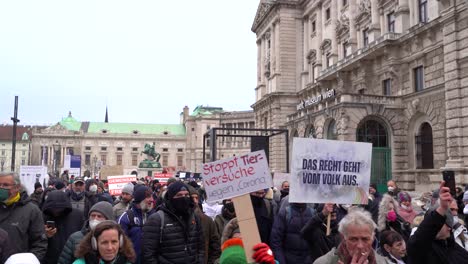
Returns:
(37, 185)
(174, 188)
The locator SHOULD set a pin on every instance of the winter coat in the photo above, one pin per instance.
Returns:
(68, 253)
(424, 248)
(67, 223)
(92, 259)
(133, 230)
(24, 224)
(220, 223)
(181, 241)
(120, 208)
(211, 238)
(6, 249)
(264, 215)
(400, 225)
(332, 258)
(286, 242)
(315, 233)
(36, 198)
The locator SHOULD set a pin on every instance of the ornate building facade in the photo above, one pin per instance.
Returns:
(390, 72)
(23, 147)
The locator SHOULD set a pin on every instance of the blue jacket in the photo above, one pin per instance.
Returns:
(286, 242)
(134, 231)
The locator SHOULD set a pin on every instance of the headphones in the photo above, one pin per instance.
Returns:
(94, 244)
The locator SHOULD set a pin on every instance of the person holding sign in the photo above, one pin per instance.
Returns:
(264, 210)
(357, 229)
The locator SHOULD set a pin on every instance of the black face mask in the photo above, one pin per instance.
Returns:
(182, 205)
(284, 192)
(228, 211)
(256, 201)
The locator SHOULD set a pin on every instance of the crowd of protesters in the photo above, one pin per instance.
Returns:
(75, 221)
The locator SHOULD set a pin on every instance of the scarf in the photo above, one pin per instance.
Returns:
(344, 255)
(77, 197)
(13, 200)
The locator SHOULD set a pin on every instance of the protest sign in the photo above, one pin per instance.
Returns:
(162, 177)
(279, 178)
(330, 171)
(116, 183)
(29, 175)
(228, 178)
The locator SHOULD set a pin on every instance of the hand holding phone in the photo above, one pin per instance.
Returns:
(449, 179)
(50, 224)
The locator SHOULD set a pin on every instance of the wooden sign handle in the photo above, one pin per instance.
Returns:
(328, 224)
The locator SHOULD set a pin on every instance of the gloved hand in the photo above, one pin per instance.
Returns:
(263, 254)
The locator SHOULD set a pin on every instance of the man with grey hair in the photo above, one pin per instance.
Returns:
(357, 229)
(21, 218)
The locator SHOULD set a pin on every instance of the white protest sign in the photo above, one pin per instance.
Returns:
(116, 183)
(232, 177)
(330, 171)
(29, 175)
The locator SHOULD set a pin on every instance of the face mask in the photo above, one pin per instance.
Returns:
(390, 189)
(39, 191)
(404, 207)
(285, 192)
(93, 223)
(391, 216)
(229, 207)
(181, 205)
(4, 194)
(77, 193)
(455, 219)
(93, 188)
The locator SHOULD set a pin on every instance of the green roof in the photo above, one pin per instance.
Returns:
(206, 110)
(70, 123)
(128, 128)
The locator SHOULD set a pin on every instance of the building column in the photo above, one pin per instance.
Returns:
(334, 19)
(306, 42)
(318, 27)
(374, 30)
(402, 17)
(352, 25)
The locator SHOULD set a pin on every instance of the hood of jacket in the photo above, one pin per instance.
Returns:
(57, 200)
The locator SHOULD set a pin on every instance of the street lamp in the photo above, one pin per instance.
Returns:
(56, 147)
(2, 162)
(95, 166)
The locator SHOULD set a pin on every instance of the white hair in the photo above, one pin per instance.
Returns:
(15, 176)
(356, 217)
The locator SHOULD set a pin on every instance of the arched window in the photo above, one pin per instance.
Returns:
(310, 132)
(373, 132)
(424, 147)
(331, 130)
(296, 134)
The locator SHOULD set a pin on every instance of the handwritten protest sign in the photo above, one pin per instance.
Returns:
(228, 178)
(330, 171)
(116, 183)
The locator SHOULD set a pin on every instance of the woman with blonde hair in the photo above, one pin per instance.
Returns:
(106, 244)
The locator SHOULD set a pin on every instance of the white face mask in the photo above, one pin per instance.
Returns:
(391, 189)
(93, 223)
(404, 207)
(93, 188)
(455, 219)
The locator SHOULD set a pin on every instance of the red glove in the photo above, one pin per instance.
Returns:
(263, 254)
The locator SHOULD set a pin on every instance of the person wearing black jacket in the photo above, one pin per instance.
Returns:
(67, 220)
(315, 232)
(432, 242)
(174, 234)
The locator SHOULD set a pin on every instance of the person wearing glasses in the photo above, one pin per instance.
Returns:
(20, 217)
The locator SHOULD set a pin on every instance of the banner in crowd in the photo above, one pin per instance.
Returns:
(29, 175)
(162, 177)
(330, 171)
(116, 183)
(279, 178)
(232, 177)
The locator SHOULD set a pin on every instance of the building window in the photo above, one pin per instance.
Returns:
(373, 132)
(104, 159)
(134, 160)
(424, 148)
(103, 148)
(422, 11)
(208, 127)
(119, 159)
(327, 14)
(180, 150)
(3, 152)
(387, 87)
(165, 160)
(180, 161)
(134, 149)
(165, 150)
(23, 162)
(391, 22)
(119, 149)
(329, 60)
(365, 37)
(331, 131)
(87, 148)
(345, 2)
(346, 49)
(311, 133)
(23, 152)
(87, 159)
(193, 129)
(418, 75)
(313, 27)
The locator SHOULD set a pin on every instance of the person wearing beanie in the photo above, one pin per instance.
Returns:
(101, 211)
(65, 221)
(126, 197)
(211, 237)
(36, 196)
(233, 252)
(59, 185)
(136, 216)
(181, 236)
(406, 210)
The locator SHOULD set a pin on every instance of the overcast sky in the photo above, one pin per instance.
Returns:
(144, 59)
